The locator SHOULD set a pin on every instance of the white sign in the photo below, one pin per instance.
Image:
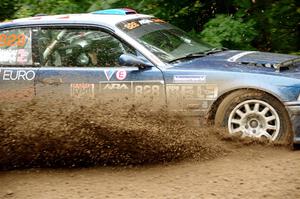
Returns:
(8, 56)
(189, 79)
(16, 75)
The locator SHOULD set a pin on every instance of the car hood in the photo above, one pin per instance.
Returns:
(248, 60)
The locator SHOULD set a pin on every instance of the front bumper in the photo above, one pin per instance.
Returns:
(294, 112)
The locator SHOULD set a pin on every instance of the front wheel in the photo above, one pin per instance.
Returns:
(254, 114)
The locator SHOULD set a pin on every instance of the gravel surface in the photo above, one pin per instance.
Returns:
(248, 172)
(53, 149)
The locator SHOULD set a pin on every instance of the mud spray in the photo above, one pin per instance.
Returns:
(68, 133)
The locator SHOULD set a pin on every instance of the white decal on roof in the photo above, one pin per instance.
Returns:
(238, 56)
(145, 21)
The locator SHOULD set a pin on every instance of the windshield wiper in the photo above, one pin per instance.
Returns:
(215, 50)
(200, 54)
(189, 56)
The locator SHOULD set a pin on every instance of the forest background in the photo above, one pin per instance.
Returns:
(266, 25)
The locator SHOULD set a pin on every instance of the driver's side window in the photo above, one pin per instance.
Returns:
(75, 47)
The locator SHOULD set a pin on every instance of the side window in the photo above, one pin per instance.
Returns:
(15, 47)
(79, 48)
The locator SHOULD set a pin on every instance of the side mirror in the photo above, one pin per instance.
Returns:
(132, 60)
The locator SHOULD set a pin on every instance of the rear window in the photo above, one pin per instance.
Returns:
(15, 47)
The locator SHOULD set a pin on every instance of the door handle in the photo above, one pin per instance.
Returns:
(51, 81)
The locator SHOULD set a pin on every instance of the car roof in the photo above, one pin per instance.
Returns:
(107, 20)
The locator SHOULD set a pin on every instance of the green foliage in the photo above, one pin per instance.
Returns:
(269, 25)
(187, 14)
(7, 9)
(276, 26)
(284, 26)
(227, 31)
(33, 7)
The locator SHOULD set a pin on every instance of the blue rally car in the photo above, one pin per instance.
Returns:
(118, 51)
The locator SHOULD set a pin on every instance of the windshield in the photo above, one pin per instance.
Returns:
(164, 40)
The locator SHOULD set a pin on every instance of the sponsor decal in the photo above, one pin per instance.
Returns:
(138, 23)
(145, 21)
(8, 56)
(147, 90)
(16, 75)
(82, 90)
(121, 75)
(22, 56)
(12, 40)
(18, 56)
(239, 55)
(189, 79)
(132, 25)
(115, 87)
(197, 92)
(156, 20)
(184, 97)
(109, 73)
(135, 88)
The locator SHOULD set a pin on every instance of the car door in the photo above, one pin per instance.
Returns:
(17, 71)
(83, 62)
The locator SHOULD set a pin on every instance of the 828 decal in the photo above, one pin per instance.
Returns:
(18, 40)
(132, 25)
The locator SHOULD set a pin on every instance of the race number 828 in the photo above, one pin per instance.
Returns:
(12, 40)
(132, 25)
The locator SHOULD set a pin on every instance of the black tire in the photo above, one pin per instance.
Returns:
(232, 101)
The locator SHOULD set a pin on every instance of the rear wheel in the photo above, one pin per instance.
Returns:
(254, 114)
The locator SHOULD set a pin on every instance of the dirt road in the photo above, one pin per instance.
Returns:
(249, 172)
(174, 160)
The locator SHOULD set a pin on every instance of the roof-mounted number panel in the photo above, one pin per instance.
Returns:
(122, 11)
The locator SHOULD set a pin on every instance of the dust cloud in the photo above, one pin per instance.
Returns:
(75, 133)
